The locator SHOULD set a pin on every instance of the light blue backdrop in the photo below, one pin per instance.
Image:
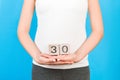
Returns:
(15, 63)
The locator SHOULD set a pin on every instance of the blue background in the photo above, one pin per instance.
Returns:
(15, 63)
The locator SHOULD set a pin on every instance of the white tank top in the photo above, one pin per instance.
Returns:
(61, 21)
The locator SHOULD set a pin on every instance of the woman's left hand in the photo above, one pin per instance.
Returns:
(68, 57)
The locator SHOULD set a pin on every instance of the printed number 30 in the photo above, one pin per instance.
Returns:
(55, 49)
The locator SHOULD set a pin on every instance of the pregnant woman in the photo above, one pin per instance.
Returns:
(60, 49)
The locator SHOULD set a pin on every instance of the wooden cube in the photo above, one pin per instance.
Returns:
(64, 48)
(54, 49)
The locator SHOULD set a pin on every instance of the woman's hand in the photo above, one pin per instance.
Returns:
(69, 58)
(43, 58)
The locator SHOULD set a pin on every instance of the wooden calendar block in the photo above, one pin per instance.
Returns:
(54, 49)
(64, 48)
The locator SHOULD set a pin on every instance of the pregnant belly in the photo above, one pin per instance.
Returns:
(59, 42)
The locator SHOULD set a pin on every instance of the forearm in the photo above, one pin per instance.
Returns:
(28, 44)
(89, 44)
(97, 29)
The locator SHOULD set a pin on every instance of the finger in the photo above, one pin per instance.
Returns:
(64, 59)
(46, 60)
(46, 55)
(50, 56)
(60, 57)
(61, 63)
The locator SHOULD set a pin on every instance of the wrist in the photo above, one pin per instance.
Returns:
(77, 53)
(77, 57)
(36, 55)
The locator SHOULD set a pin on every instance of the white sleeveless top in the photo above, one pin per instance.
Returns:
(61, 21)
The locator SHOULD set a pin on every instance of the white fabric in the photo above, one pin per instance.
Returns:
(61, 21)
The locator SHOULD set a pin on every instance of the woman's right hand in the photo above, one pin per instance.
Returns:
(43, 58)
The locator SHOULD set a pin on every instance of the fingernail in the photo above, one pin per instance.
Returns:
(58, 59)
(54, 60)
